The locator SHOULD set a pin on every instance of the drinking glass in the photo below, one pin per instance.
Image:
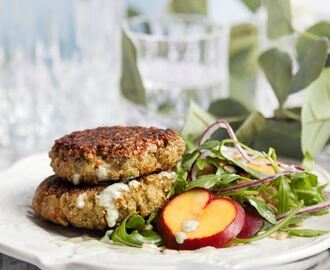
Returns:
(179, 58)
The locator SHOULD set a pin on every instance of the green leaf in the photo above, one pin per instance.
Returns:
(252, 126)
(311, 67)
(316, 115)
(188, 6)
(305, 232)
(209, 144)
(243, 55)
(282, 135)
(189, 159)
(277, 67)
(283, 195)
(197, 121)
(204, 181)
(263, 209)
(279, 18)
(209, 181)
(228, 108)
(307, 39)
(135, 222)
(252, 5)
(305, 187)
(151, 237)
(130, 82)
(135, 238)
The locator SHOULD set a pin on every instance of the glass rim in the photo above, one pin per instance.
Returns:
(216, 28)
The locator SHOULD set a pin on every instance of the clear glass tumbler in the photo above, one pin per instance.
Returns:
(179, 58)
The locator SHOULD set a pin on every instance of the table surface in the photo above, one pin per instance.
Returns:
(317, 262)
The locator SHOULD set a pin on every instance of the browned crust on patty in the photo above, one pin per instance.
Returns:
(128, 152)
(55, 200)
(117, 142)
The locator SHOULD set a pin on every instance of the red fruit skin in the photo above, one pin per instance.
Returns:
(252, 225)
(217, 240)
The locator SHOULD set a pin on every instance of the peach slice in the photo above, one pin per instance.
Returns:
(197, 218)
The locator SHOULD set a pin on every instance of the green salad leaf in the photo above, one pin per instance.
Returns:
(279, 18)
(132, 232)
(131, 84)
(262, 209)
(307, 39)
(277, 67)
(316, 115)
(305, 232)
(311, 67)
(196, 122)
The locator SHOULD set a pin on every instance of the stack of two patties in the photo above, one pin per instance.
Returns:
(104, 174)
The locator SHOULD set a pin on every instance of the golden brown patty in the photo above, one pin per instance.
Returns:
(65, 204)
(115, 153)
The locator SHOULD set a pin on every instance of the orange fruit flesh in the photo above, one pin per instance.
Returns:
(213, 216)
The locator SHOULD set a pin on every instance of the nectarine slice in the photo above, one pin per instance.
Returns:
(252, 225)
(198, 218)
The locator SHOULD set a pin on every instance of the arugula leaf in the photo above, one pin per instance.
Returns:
(278, 226)
(202, 163)
(135, 222)
(283, 195)
(239, 162)
(130, 82)
(138, 236)
(262, 209)
(196, 122)
(180, 182)
(205, 181)
(279, 18)
(209, 144)
(311, 67)
(277, 67)
(210, 181)
(305, 186)
(316, 115)
(305, 232)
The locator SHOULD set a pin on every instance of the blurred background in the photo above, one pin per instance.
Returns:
(76, 64)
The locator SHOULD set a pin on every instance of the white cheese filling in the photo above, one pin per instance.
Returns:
(168, 175)
(102, 172)
(180, 237)
(190, 225)
(133, 184)
(76, 178)
(80, 201)
(107, 199)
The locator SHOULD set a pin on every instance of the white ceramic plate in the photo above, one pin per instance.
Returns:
(26, 237)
